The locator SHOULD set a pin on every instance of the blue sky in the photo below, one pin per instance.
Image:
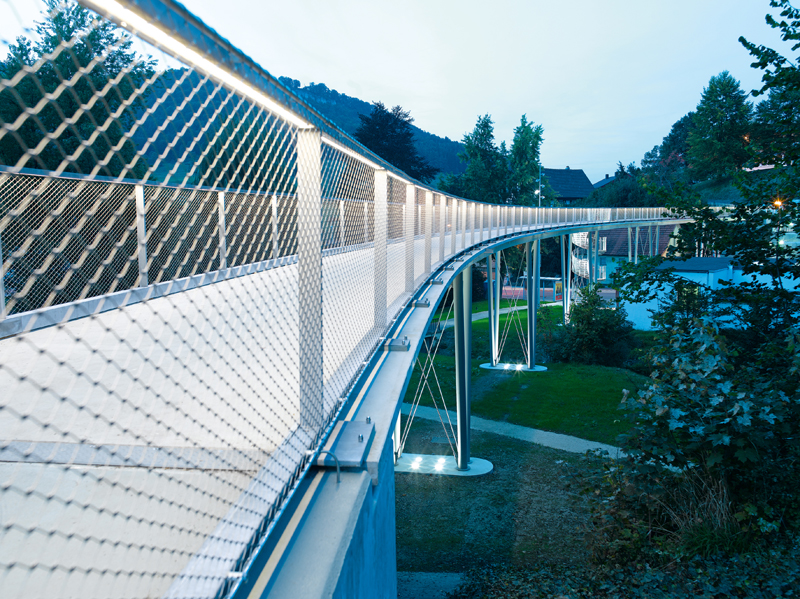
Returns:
(606, 78)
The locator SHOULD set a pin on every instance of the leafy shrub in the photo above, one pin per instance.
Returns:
(596, 333)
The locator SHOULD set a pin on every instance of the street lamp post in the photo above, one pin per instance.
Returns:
(539, 191)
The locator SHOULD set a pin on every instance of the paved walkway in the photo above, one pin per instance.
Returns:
(523, 433)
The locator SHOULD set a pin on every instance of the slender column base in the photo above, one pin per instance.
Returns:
(462, 302)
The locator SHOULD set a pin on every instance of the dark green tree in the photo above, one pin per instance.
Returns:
(717, 143)
(388, 133)
(95, 109)
(626, 191)
(524, 163)
(486, 176)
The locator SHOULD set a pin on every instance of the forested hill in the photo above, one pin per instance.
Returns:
(441, 152)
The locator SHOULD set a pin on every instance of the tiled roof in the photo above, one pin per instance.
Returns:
(617, 240)
(605, 181)
(569, 183)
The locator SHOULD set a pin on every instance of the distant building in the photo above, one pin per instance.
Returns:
(614, 249)
(605, 181)
(617, 250)
(570, 184)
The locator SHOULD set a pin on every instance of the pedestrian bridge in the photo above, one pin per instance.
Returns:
(211, 303)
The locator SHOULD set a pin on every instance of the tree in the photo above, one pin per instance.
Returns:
(486, 176)
(388, 133)
(497, 175)
(96, 58)
(626, 191)
(524, 163)
(717, 143)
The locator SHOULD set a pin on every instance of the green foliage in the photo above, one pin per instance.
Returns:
(93, 55)
(485, 177)
(596, 333)
(524, 163)
(388, 133)
(497, 175)
(717, 142)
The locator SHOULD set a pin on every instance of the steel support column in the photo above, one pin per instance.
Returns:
(493, 285)
(462, 302)
(532, 281)
(565, 274)
(596, 253)
(658, 246)
(630, 247)
(636, 248)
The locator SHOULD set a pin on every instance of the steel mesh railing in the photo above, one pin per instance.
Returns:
(195, 267)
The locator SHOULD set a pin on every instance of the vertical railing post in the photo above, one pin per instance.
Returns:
(223, 246)
(2, 285)
(409, 235)
(381, 226)
(462, 303)
(463, 212)
(341, 224)
(309, 274)
(141, 234)
(472, 223)
(442, 225)
(366, 222)
(276, 240)
(453, 225)
(428, 230)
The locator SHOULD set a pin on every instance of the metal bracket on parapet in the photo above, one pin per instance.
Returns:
(397, 344)
(351, 442)
(449, 267)
(422, 303)
(437, 282)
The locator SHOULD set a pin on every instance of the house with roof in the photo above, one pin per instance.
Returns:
(570, 184)
(617, 246)
(605, 181)
(620, 245)
(705, 272)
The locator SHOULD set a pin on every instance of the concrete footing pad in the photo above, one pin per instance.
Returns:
(440, 464)
(514, 368)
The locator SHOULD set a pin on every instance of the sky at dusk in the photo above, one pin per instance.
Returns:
(605, 79)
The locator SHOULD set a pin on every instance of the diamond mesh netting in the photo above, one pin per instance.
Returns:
(196, 267)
